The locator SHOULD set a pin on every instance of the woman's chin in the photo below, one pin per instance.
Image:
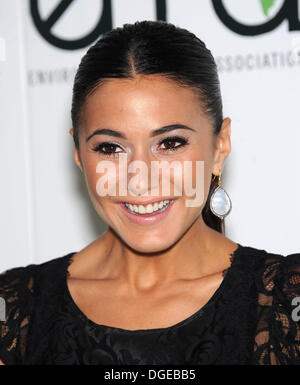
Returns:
(149, 246)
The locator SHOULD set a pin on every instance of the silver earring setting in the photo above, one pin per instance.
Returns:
(220, 203)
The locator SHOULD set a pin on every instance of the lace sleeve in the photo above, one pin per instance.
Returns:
(16, 287)
(277, 339)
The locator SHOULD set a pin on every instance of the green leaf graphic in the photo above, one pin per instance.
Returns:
(266, 5)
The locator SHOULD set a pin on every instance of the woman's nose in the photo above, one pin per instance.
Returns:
(139, 172)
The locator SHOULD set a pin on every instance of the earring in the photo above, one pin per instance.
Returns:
(220, 203)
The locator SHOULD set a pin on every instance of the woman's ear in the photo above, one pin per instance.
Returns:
(76, 152)
(223, 146)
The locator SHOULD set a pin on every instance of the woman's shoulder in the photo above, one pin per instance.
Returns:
(23, 291)
(269, 263)
(19, 272)
(274, 273)
(276, 280)
(19, 284)
(26, 278)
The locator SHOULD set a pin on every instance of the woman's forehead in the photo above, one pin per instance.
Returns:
(154, 99)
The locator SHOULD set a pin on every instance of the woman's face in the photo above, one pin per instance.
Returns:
(131, 111)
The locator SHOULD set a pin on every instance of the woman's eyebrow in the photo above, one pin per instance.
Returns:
(170, 127)
(158, 131)
(106, 131)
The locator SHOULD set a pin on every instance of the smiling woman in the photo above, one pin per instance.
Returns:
(163, 284)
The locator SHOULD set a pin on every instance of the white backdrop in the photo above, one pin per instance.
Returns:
(45, 208)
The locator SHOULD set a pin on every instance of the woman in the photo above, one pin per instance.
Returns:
(163, 285)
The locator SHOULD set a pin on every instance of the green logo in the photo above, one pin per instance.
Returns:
(266, 5)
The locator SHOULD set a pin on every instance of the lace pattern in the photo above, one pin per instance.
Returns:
(277, 337)
(15, 288)
(249, 322)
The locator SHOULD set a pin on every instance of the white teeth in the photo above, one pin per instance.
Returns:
(149, 208)
(142, 209)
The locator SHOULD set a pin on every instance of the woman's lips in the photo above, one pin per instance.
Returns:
(146, 219)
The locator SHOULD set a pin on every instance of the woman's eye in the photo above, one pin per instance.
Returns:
(168, 144)
(173, 143)
(107, 148)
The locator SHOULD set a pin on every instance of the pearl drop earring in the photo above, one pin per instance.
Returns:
(220, 203)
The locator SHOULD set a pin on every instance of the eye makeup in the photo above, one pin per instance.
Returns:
(109, 149)
(167, 145)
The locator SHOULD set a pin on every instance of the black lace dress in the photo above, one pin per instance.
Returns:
(250, 319)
